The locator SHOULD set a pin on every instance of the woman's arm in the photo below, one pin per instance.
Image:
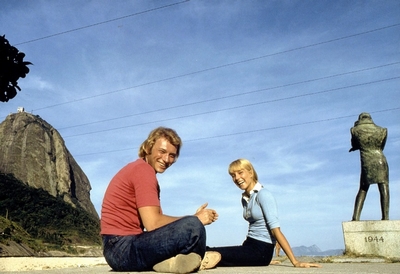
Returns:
(276, 232)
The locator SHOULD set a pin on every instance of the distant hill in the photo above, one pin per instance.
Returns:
(315, 251)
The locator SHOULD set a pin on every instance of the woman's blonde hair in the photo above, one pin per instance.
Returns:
(242, 164)
(155, 134)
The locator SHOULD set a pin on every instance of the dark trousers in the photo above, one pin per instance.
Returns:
(251, 253)
(141, 252)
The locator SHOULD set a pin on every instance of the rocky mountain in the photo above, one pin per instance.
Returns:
(35, 153)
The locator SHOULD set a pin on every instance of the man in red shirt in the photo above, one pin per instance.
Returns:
(137, 235)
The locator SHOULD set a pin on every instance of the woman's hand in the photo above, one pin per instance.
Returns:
(277, 233)
(305, 265)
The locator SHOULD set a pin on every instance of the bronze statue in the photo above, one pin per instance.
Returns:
(370, 139)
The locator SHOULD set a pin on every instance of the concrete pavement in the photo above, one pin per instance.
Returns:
(336, 265)
(353, 268)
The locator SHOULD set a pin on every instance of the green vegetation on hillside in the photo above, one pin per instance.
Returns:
(46, 218)
(10, 231)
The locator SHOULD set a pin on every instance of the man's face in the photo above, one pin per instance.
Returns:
(162, 155)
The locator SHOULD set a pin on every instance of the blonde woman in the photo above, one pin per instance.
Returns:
(260, 210)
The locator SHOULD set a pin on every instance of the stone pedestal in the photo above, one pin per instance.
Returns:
(379, 238)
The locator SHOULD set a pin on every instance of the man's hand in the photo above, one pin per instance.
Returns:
(205, 215)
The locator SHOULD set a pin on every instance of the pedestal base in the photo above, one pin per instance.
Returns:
(379, 238)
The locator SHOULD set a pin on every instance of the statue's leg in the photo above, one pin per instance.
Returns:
(385, 198)
(360, 198)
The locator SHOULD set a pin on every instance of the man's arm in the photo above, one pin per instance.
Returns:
(152, 218)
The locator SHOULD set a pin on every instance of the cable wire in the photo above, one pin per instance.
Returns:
(237, 107)
(231, 96)
(101, 23)
(248, 131)
(219, 67)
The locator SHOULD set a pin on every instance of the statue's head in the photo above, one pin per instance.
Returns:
(364, 118)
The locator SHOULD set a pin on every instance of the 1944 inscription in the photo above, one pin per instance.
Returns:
(371, 239)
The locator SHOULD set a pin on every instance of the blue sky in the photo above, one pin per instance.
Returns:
(277, 82)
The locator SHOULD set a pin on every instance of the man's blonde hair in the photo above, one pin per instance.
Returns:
(155, 134)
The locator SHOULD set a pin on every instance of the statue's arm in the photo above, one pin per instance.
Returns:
(354, 143)
(384, 139)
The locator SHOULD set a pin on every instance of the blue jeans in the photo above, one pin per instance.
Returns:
(141, 252)
(251, 253)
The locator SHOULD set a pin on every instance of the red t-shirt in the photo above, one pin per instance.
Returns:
(134, 186)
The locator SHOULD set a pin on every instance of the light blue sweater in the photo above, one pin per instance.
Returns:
(261, 211)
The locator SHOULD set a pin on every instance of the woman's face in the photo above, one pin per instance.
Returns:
(243, 179)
